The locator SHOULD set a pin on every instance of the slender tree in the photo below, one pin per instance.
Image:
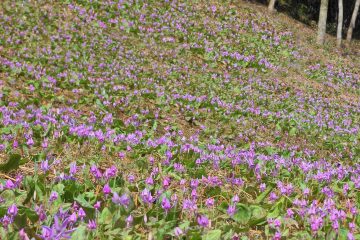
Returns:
(353, 20)
(271, 6)
(340, 23)
(322, 21)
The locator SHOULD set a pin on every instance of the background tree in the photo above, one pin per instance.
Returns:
(340, 23)
(322, 21)
(271, 6)
(353, 21)
(307, 11)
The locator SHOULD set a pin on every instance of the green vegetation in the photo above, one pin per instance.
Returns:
(173, 120)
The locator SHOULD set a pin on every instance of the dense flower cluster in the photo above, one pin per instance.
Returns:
(156, 119)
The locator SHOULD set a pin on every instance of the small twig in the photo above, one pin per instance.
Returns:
(8, 177)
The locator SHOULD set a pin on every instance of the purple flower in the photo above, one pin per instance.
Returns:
(182, 182)
(231, 210)
(23, 235)
(53, 196)
(6, 220)
(165, 204)
(92, 224)
(352, 226)
(40, 212)
(96, 172)
(9, 184)
(194, 183)
(209, 202)
(18, 180)
(81, 213)
(58, 230)
(290, 213)
(116, 198)
(110, 172)
(30, 142)
(277, 236)
(46, 233)
(149, 181)
(277, 223)
(73, 218)
(44, 166)
(273, 196)
(73, 168)
(235, 199)
(194, 194)
(315, 223)
(97, 205)
(12, 210)
(178, 232)
(121, 155)
(166, 182)
(174, 198)
(346, 188)
(45, 143)
(62, 213)
(131, 178)
(146, 196)
(189, 205)
(106, 189)
(350, 236)
(75, 206)
(15, 144)
(306, 191)
(203, 221)
(129, 221)
(213, 8)
(335, 225)
(123, 200)
(262, 187)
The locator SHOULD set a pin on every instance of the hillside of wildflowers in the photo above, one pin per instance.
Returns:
(173, 120)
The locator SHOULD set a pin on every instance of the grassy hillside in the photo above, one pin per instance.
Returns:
(174, 120)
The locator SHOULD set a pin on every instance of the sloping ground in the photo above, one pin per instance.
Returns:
(184, 119)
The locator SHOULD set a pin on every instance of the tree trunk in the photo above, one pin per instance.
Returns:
(340, 24)
(353, 20)
(271, 6)
(322, 21)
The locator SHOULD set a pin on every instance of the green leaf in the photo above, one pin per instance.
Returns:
(20, 197)
(80, 199)
(115, 232)
(242, 214)
(31, 214)
(79, 234)
(12, 164)
(293, 131)
(105, 217)
(39, 190)
(276, 209)
(20, 220)
(8, 195)
(5, 130)
(212, 235)
(59, 188)
(343, 234)
(258, 215)
(184, 225)
(263, 195)
(194, 234)
(302, 235)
